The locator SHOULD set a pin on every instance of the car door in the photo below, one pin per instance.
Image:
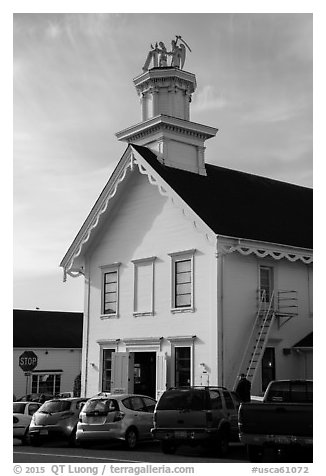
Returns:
(232, 412)
(143, 419)
(150, 404)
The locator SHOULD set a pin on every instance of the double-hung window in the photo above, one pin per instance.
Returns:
(182, 352)
(182, 297)
(110, 290)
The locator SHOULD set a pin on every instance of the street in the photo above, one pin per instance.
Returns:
(147, 452)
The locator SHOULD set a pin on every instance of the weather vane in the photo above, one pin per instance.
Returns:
(158, 55)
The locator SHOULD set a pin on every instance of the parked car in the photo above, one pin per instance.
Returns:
(196, 415)
(56, 418)
(125, 417)
(283, 420)
(23, 412)
(36, 397)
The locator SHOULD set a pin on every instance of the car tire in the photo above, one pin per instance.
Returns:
(223, 440)
(168, 447)
(131, 438)
(255, 453)
(35, 440)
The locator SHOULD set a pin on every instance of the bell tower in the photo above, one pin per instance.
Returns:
(165, 96)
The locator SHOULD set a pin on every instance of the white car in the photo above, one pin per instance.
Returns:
(23, 412)
(123, 417)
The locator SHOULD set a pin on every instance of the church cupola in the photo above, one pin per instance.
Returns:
(165, 92)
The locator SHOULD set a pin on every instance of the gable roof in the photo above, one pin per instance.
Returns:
(47, 329)
(242, 205)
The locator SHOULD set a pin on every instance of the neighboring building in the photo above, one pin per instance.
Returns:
(55, 338)
(185, 261)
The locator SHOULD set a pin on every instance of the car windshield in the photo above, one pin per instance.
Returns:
(19, 407)
(288, 391)
(55, 406)
(100, 406)
(182, 399)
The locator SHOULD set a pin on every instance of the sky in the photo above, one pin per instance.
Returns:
(73, 90)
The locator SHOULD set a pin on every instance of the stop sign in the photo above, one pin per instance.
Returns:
(28, 360)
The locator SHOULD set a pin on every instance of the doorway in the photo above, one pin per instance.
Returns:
(268, 367)
(145, 373)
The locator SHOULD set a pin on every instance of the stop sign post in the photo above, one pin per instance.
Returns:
(28, 361)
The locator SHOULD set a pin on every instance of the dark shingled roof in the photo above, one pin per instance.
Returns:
(242, 205)
(306, 341)
(52, 329)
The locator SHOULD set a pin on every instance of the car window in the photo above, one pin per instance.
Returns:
(216, 399)
(55, 406)
(138, 404)
(19, 407)
(287, 391)
(301, 392)
(101, 406)
(228, 401)
(80, 405)
(182, 399)
(150, 404)
(32, 408)
(127, 403)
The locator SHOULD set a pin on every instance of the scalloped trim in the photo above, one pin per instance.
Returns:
(263, 253)
(186, 211)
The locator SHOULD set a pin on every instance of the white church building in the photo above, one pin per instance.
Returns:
(194, 273)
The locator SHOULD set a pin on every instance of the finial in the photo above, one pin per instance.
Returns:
(158, 55)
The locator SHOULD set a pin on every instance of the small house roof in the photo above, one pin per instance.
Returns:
(47, 329)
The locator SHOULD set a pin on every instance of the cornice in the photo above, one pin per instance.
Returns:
(157, 75)
(265, 249)
(162, 123)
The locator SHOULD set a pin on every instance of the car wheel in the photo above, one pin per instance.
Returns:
(35, 440)
(255, 453)
(223, 443)
(168, 447)
(131, 438)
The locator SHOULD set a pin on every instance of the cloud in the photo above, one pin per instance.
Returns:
(207, 98)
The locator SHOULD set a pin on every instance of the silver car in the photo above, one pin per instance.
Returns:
(56, 418)
(125, 417)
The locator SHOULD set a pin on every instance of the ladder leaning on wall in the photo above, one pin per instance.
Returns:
(258, 338)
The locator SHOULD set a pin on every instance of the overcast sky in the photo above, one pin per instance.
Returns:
(73, 91)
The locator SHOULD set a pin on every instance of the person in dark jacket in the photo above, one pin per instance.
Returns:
(243, 389)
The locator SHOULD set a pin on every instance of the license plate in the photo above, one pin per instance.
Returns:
(180, 434)
(44, 432)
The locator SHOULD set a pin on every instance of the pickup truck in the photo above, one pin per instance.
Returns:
(282, 420)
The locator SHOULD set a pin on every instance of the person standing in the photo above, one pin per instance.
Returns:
(243, 389)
